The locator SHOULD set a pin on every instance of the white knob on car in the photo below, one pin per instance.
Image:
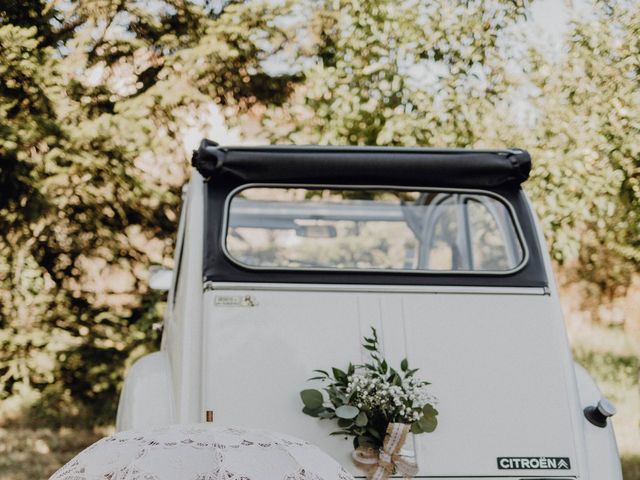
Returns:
(606, 408)
(598, 415)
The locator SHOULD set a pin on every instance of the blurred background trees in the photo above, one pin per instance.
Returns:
(99, 101)
(93, 99)
(587, 177)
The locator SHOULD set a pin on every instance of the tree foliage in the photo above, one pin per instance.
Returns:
(92, 99)
(586, 181)
(95, 96)
(408, 73)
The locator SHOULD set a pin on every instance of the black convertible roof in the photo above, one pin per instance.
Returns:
(391, 166)
(227, 169)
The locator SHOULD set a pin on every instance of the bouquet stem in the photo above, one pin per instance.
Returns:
(382, 463)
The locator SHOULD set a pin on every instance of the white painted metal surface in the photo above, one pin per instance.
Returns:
(147, 396)
(183, 319)
(143, 400)
(498, 358)
(602, 450)
(495, 362)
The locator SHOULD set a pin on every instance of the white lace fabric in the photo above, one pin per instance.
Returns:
(201, 452)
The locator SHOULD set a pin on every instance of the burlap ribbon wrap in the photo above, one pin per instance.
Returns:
(381, 464)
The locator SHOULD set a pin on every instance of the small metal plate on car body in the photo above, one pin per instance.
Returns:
(534, 463)
(235, 301)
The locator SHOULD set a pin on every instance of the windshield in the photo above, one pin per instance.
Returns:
(372, 229)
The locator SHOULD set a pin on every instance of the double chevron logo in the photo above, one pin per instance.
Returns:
(534, 463)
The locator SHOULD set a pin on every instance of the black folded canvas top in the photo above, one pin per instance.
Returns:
(227, 169)
(416, 167)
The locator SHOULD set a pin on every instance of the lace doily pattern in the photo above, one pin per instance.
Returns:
(201, 452)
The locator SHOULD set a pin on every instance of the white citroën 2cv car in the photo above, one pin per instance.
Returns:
(287, 255)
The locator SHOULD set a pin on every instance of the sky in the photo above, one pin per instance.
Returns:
(552, 16)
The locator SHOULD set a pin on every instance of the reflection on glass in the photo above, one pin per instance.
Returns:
(301, 228)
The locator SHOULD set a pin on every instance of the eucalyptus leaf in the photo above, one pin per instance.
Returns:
(326, 413)
(313, 412)
(429, 411)
(362, 420)
(347, 411)
(345, 422)
(428, 424)
(312, 398)
(416, 429)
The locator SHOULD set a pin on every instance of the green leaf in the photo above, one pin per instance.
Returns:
(416, 429)
(342, 397)
(347, 411)
(313, 412)
(404, 365)
(428, 410)
(345, 422)
(311, 398)
(428, 422)
(365, 441)
(362, 420)
(339, 375)
(325, 413)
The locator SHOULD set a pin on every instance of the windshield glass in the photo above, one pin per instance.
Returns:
(363, 229)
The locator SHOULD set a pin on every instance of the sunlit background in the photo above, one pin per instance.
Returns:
(102, 101)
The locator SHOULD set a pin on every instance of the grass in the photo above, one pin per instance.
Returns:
(631, 467)
(33, 454)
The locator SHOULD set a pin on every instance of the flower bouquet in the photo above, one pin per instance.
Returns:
(377, 406)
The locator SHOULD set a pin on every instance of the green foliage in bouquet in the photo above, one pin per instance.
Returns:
(364, 399)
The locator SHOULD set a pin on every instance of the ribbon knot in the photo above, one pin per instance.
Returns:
(381, 464)
(384, 458)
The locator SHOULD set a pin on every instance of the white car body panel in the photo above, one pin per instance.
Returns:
(183, 319)
(498, 359)
(147, 399)
(459, 341)
(604, 462)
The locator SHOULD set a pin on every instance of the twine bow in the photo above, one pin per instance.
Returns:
(381, 464)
